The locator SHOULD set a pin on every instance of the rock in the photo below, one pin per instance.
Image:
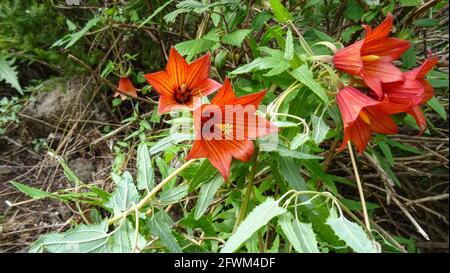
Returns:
(59, 99)
(82, 168)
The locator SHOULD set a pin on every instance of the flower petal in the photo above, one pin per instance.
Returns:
(160, 82)
(176, 68)
(380, 32)
(218, 158)
(402, 96)
(198, 70)
(381, 123)
(198, 150)
(348, 59)
(167, 104)
(351, 101)
(417, 114)
(205, 87)
(390, 48)
(225, 95)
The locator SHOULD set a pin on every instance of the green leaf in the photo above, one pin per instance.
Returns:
(82, 239)
(278, 68)
(305, 76)
(320, 129)
(173, 195)
(193, 47)
(260, 19)
(409, 57)
(352, 234)
(258, 218)
(125, 194)
(168, 141)
(289, 49)
(291, 174)
(300, 235)
(410, 3)
(426, 22)
(295, 154)
(280, 13)
(124, 239)
(236, 38)
(353, 11)
(205, 173)
(8, 73)
(387, 152)
(145, 175)
(257, 64)
(71, 39)
(158, 10)
(30, 191)
(299, 140)
(434, 103)
(206, 195)
(160, 226)
(347, 34)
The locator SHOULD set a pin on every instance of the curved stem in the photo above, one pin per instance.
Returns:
(151, 194)
(243, 210)
(360, 189)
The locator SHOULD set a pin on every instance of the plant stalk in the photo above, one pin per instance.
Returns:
(360, 189)
(151, 194)
(251, 178)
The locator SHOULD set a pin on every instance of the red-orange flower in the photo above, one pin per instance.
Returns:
(226, 127)
(125, 87)
(414, 91)
(361, 116)
(181, 82)
(371, 58)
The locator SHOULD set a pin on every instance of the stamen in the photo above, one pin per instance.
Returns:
(183, 88)
(226, 128)
(363, 115)
(370, 58)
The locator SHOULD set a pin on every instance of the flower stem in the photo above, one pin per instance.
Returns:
(243, 210)
(360, 189)
(151, 194)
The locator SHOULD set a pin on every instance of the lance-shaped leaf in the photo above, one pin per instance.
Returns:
(145, 174)
(352, 234)
(125, 194)
(300, 235)
(258, 218)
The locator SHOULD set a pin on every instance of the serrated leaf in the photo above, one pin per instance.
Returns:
(30, 191)
(427, 22)
(410, 3)
(125, 193)
(206, 195)
(352, 234)
(168, 141)
(257, 64)
(291, 174)
(193, 47)
(434, 103)
(295, 154)
(158, 10)
(124, 239)
(278, 69)
(205, 173)
(300, 235)
(258, 218)
(280, 13)
(305, 76)
(71, 39)
(320, 129)
(236, 38)
(8, 73)
(160, 227)
(145, 175)
(173, 195)
(82, 239)
(289, 48)
(299, 140)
